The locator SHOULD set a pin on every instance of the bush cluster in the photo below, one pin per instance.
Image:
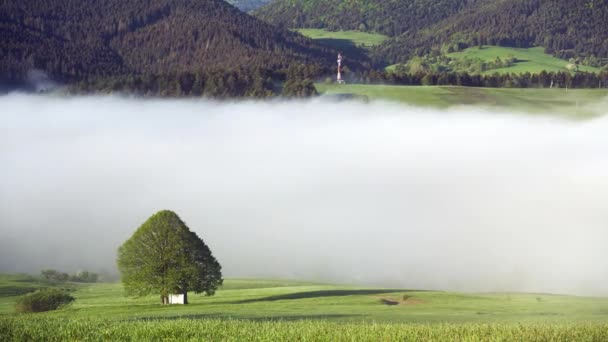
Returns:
(43, 300)
(62, 277)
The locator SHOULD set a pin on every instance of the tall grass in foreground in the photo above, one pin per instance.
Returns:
(28, 328)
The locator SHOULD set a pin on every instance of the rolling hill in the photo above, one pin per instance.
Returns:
(255, 310)
(387, 17)
(532, 60)
(564, 28)
(489, 60)
(74, 40)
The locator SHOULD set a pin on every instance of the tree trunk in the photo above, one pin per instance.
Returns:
(185, 297)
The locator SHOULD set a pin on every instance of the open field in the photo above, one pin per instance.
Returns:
(572, 102)
(294, 301)
(342, 39)
(53, 329)
(277, 309)
(533, 60)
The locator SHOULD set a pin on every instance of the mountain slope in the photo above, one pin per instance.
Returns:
(389, 17)
(566, 28)
(75, 39)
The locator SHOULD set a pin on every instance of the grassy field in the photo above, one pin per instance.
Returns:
(573, 102)
(278, 310)
(53, 329)
(533, 60)
(358, 38)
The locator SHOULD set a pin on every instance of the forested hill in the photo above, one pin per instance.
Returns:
(389, 17)
(566, 28)
(79, 39)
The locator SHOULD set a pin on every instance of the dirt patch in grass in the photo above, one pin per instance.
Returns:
(405, 300)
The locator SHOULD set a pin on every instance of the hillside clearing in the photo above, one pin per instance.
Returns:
(341, 39)
(532, 60)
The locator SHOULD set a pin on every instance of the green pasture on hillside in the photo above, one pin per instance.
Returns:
(343, 39)
(283, 309)
(533, 60)
(572, 102)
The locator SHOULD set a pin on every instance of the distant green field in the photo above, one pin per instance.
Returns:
(533, 60)
(337, 39)
(573, 102)
(279, 309)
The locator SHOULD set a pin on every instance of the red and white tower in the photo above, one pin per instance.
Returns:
(339, 77)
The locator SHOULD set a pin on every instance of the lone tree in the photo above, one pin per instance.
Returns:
(164, 256)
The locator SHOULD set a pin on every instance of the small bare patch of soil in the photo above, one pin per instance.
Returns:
(397, 301)
(389, 301)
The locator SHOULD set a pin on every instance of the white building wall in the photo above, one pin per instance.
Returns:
(176, 299)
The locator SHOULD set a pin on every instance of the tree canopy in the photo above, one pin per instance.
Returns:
(163, 256)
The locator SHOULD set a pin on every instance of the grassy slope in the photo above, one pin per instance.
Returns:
(574, 102)
(533, 60)
(272, 299)
(277, 310)
(359, 38)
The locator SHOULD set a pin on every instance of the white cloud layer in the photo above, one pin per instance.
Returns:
(461, 199)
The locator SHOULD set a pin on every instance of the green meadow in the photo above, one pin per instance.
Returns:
(342, 39)
(532, 60)
(571, 102)
(259, 309)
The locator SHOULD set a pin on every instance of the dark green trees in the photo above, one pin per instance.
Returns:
(43, 300)
(54, 275)
(165, 257)
(299, 88)
(85, 40)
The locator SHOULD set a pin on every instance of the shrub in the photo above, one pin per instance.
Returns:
(43, 300)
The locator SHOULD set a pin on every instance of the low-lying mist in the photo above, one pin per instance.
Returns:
(460, 199)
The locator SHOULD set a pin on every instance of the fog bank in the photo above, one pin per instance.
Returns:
(460, 199)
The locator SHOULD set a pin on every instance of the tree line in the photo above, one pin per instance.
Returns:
(297, 81)
(294, 81)
(508, 80)
(62, 277)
